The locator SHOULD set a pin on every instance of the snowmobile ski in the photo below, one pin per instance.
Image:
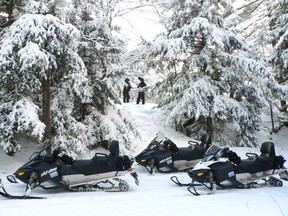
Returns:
(11, 179)
(191, 187)
(211, 188)
(177, 182)
(5, 194)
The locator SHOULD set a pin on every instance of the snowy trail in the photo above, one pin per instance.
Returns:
(150, 120)
(156, 194)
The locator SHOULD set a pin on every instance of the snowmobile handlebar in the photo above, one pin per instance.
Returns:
(100, 154)
(250, 154)
(192, 142)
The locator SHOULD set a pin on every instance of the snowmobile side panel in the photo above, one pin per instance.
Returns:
(184, 164)
(78, 179)
(45, 171)
(245, 178)
(223, 173)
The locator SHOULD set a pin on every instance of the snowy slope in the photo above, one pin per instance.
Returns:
(156, 195)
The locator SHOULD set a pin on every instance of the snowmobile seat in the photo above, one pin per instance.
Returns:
(246, 165)
(82, 166)
(113, 155)
(184, 153)
(267, 150)
(189, 153)
(208, 142)
(114, 149)
(111, 158)
(267, 155)
(265, 161)
(100, 162)
(205, 141)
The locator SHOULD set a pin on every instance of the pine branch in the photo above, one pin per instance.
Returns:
(251, 3)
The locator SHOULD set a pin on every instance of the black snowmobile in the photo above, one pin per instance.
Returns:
(102, 172)
(164, 154)
(224, 168)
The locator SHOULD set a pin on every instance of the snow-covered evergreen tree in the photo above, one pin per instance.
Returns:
(101, 49)
(210, 82)
(79, 80)
(279, 37)
(251, 21)
(42, 78)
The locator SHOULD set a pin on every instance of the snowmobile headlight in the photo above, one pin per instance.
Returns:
(143, 161)
(200, 174)
(20, 173)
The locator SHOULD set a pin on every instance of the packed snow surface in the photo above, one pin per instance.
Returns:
(156, 194)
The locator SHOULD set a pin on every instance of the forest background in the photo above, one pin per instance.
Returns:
(214, 67)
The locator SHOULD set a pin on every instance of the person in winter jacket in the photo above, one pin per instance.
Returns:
(141, 93)
(126, 89)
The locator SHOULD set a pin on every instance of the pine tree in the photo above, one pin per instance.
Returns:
(40, 69)
(252, 23)
(73, 99)
(213, 84)
(101, 49)
(279, 57)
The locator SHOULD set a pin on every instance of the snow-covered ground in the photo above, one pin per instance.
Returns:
(156, 194)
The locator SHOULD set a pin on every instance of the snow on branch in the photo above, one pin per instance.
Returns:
(25, 114)
(194, 101)
(32, 57)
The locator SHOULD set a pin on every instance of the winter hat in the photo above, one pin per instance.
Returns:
(140, 78)
(127, 80)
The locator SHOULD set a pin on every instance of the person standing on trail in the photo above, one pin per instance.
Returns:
(126, 89)
(141, 93)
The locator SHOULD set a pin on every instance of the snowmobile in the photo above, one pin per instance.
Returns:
(224, 168)
(164, 154)
(102, 172)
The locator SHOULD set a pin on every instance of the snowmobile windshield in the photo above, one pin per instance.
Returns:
(41, 150)
(156, 141)
(212, 153)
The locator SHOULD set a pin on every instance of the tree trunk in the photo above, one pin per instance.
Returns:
(210, 126)
(283, 107)
(271, 115)
(46, 109)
